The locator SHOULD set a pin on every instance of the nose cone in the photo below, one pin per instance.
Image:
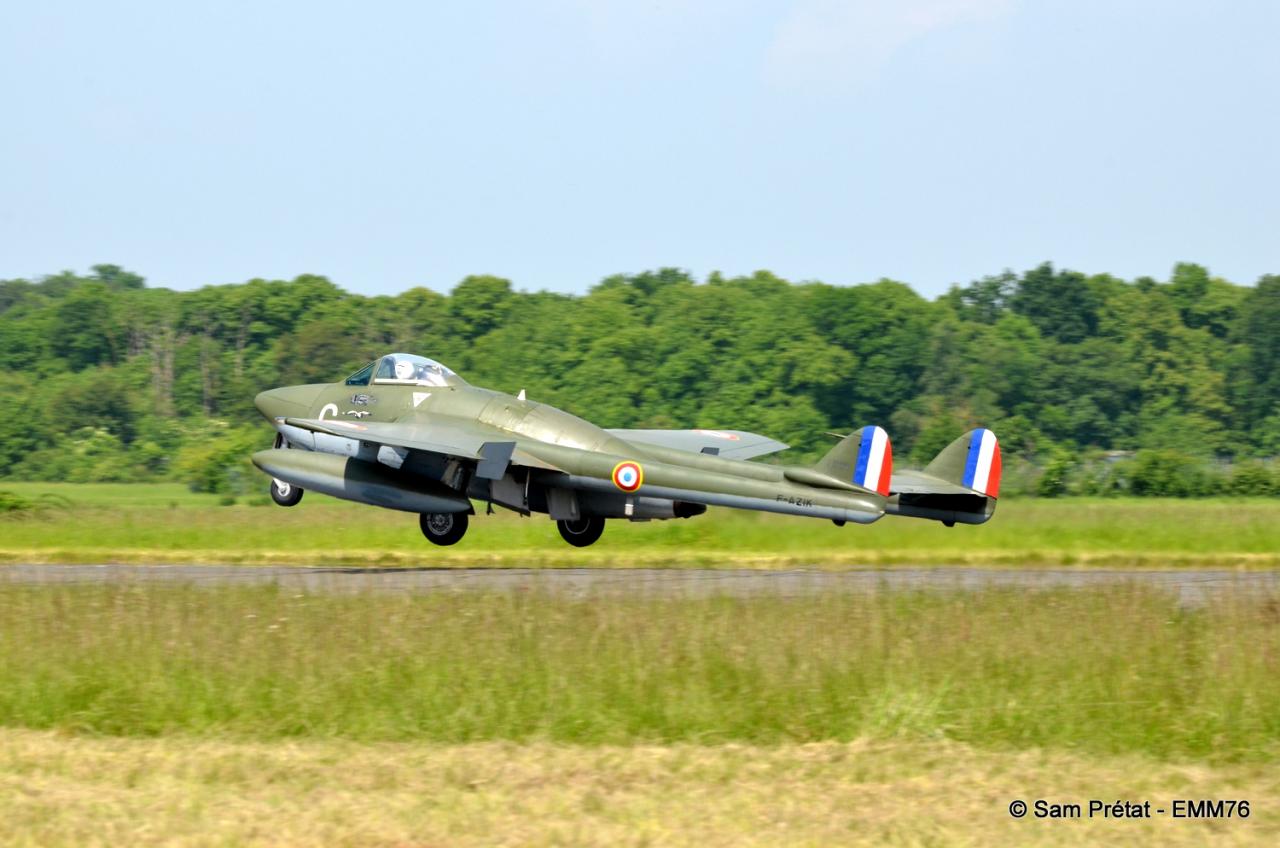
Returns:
(289, 402)
(271, 405)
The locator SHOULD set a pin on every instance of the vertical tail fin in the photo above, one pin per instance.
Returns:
(864, 458)
(972, 461)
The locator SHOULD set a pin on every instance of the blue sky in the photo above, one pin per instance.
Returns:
(388, 145)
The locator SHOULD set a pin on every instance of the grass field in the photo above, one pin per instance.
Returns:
(75, 791)
(1118, 670)
(164, 522)
(170, 714)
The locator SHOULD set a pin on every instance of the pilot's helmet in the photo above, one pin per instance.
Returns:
(404, 370)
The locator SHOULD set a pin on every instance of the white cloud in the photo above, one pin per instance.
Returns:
(837, 42)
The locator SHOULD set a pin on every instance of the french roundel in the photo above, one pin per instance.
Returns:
(628, 476)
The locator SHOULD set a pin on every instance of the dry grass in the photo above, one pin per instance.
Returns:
(57, 790)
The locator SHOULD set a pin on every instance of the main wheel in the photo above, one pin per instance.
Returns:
(582, 532)
(443, 528)
(285, 494)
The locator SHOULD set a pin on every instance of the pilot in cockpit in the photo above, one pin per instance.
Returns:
(405, 368)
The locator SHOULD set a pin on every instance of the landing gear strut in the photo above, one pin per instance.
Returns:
(582, 532)
(285, 494)
(443, 528)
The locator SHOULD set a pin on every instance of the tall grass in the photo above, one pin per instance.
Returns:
(159, 522)
(1118, 669)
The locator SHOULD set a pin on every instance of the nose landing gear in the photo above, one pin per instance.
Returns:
(285, 494)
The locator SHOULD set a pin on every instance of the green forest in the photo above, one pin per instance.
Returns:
(1095, 385)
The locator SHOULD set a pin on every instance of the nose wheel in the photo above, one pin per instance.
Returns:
(582, 532)
(285, 494)
(443, 528)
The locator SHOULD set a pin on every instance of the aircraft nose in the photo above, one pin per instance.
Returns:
(288, 402)
(274, 404)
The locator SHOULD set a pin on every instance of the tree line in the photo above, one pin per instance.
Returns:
(1094, 384)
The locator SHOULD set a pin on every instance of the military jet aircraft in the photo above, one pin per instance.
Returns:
(407, 433)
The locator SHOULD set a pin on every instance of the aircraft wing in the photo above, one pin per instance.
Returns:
(731, 444)
(437, 438)
(465, 441)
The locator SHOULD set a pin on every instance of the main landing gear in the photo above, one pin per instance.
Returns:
(582, 532)
(443, 528)
(285, 494)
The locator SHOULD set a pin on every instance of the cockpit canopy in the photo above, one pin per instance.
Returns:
(404, 369)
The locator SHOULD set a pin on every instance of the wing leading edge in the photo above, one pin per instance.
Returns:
(730, 444)
(464, 441)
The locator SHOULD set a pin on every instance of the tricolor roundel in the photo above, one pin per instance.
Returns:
(874, 465)
(628, 476)
(982, 466)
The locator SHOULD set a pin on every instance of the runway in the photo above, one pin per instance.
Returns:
(1191, 586)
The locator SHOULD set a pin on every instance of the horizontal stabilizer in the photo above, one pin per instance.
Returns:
(812, 477)
(919, 483)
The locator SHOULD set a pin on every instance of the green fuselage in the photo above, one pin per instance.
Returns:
(560, 463)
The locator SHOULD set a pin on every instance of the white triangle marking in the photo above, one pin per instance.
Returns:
(419, 397)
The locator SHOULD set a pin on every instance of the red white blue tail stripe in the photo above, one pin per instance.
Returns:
(874, 466)
(982, 467)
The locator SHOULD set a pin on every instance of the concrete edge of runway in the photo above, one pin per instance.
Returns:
(1191, 585)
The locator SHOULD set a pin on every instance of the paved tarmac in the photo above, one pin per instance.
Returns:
(1191, 586)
